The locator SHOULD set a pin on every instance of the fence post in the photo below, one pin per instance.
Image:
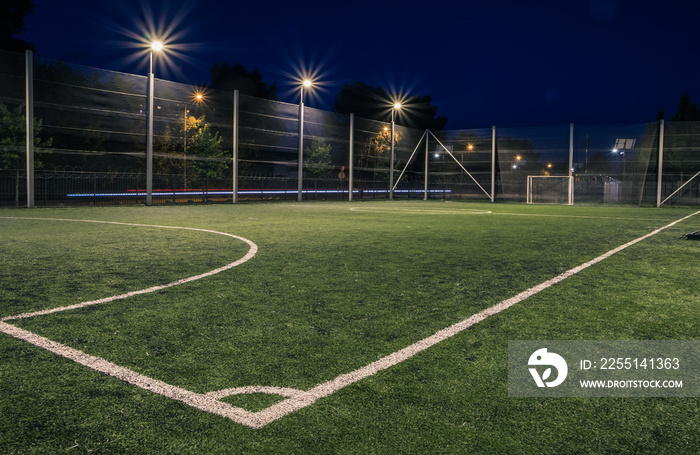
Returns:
(493, 163)
(660, 173)
(236, 102)
(300, 159)
(571, 164)
(427, 154)
(29, 114)
(351, 159)
(391, 159)
(149, 142)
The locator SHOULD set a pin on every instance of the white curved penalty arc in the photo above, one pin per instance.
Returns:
(249, 255)
(281, 391)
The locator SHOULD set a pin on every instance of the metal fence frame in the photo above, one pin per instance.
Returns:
(340, 189)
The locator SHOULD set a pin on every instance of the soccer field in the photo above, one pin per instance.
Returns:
(370, 327)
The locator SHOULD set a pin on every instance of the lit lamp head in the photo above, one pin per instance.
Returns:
(157, 46)
(306, 83)
(395, 108)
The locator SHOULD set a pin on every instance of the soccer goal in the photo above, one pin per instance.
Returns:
(550, 189)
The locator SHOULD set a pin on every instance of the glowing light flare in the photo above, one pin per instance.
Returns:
(157, 46)
(158, 36)
(199, 96)
(307, 79)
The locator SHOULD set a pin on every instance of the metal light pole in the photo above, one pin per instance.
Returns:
(391, 160)
(198, 98)
(184, 145)
(300, 161)
(156, 46)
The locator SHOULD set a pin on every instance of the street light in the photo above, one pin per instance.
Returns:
(156, 46)
(300, 165)
(305, 84)
(396, 107)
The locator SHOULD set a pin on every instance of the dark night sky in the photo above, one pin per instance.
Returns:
(496, 62)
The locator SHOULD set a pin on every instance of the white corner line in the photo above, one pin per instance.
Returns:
(290, 405)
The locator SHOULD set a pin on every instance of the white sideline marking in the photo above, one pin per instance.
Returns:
(297, 399)
(438, 211)
(420, 211)
(196, 400)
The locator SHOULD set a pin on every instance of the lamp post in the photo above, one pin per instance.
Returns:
(300, 165)
(396, 106)
(156, 46)
(184, 146)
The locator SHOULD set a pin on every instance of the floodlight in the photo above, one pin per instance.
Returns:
(157, 46)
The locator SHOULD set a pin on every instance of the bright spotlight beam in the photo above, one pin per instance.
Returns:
(157, 46)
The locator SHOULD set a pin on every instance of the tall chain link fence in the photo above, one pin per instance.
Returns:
(91, 138)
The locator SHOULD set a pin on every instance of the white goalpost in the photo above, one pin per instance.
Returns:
(550, 189)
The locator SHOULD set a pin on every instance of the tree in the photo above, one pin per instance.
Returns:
(208, 157)
(236, 77)
(12, 15)
(317, 157)
(363, 100)
(166, 158)
(375, 154)
(687, 110)
(681, 146)
(13, 138)
(375, 103)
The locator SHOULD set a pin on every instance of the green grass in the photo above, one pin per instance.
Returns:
(330, 291)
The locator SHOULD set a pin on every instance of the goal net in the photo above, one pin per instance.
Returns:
(550, 189)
